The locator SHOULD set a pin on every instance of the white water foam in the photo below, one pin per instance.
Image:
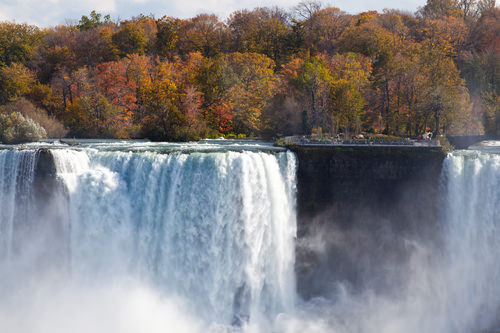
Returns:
(215, 230)
(16, 178)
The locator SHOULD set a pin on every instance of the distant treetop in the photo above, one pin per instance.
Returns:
(87, 23)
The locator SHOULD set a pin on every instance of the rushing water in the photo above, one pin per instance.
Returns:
(472, 229)
(209, 225)
(151, 237)
(16, 179)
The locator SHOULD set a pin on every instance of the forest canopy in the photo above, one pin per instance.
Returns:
(263, 72)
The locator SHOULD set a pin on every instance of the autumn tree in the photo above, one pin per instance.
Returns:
(262, 30)
(250, 84)
(18, 42)
(88, 113)
(480, 66)
(408, 82)
(202, 33)
(211, 82)
(367, 36)
(15, 81)
(43, 97)
(130, 39)
(393, 21)
(441, 8)
(312, 80)
(94, 46)
(350, 77)
(445, 95)
(323, 28)
(120, 90)
(160, 95)
(55, 53)
(304, 10)
(167, 36)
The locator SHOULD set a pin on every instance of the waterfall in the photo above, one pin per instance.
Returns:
(16, 197)
(214, 229)
(201, 238)
(452, 280)
(471, 231)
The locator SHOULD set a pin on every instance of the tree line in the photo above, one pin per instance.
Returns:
(264, 72)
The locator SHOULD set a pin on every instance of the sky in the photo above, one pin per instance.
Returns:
(53, 12)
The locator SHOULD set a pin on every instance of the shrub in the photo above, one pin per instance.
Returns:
(53, 127)
(15, 128)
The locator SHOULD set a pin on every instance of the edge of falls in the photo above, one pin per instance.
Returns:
(216, 229)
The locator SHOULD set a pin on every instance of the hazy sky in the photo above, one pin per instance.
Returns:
(53, 12)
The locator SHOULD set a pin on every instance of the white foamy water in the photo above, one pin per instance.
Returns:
(16, 179)
(210, 231)
(472, 232)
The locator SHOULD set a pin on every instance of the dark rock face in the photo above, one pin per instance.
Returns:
(45, 176)
(50, 225)
(359, 208)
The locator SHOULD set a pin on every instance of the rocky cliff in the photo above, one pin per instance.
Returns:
(357, 208)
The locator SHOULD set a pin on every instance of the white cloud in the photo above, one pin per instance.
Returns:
(53, 12)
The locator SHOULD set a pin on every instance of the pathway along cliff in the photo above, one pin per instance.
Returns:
(134, 237)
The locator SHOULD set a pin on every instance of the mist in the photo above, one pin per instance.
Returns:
(379, 273)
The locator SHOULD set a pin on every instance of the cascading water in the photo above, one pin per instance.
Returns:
(214, 229)
(472, 230)
(16, 197)
(200, 238)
